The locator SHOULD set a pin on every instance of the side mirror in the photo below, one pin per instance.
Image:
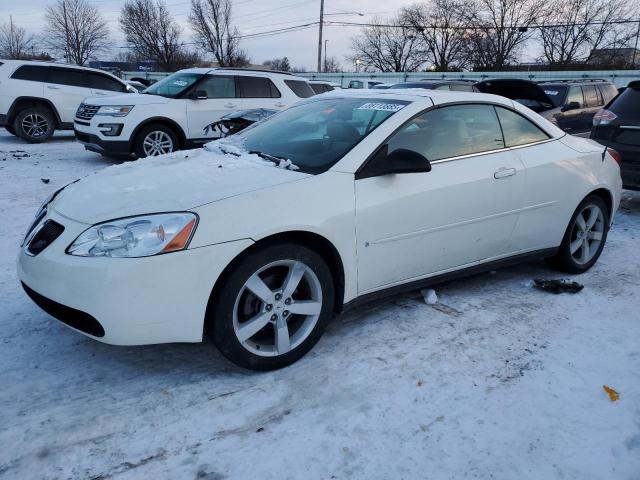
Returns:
(199, 95)
(399, 161)
(571, 106)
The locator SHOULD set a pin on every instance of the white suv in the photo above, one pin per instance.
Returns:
(173, 113)
(37, 98)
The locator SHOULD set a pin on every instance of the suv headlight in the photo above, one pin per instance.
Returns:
(142, 236)
(115, 110)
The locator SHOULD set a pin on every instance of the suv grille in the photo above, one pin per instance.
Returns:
(87, 112)
(44, 237)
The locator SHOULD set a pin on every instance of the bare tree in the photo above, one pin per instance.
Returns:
(280, 64)
(332, 65)
(388, 46)
(502, 29)
(153, 34)
(443, 28)
(76, 29)
(211, 23)
(573, 28)
(15, 43)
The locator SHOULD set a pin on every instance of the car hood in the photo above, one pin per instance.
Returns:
(514, 89)
(175, 182)
(127, 99)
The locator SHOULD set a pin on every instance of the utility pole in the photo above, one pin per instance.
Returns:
(325, 55)
(66, 29)
(320, 35)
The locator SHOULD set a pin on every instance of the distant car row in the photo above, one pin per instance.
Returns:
(138, 118)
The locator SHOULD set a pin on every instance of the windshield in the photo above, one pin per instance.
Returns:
(556, 94)
(173, 85)
(316, 134)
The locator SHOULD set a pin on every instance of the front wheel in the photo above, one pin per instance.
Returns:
(584, 238)
(273, 307)
(155, 140)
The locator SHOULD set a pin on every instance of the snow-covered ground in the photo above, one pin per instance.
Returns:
(498, 380)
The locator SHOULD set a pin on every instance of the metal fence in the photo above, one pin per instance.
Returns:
(620, 78)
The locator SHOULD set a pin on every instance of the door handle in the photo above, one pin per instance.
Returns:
(504, 173)
(280, 105)
(230, 105)
(50, 87)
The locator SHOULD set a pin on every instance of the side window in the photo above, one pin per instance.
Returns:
(451, 132)
(518, 130)
(355, 84)
(461, 88)
(69, 76)
(34, 73)
(301, 89)
(575, 95)
(608, 92)
(257, 87)
(590, 96)
(218, 86)
(103, 82)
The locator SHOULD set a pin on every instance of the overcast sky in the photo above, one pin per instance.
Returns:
(251, 16)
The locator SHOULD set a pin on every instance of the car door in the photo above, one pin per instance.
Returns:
(104, 85)
(570, 119)
(66, 88)
(218, 97)
(593, 103)
(463, 211)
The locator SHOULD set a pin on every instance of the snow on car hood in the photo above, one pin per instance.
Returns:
(127, 99)
(175, 182)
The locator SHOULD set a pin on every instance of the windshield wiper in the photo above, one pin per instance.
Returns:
(281, 162)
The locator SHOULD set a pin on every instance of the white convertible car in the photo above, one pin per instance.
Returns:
(258, 239)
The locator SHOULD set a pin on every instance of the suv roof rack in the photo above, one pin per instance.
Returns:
(259, 70)
(575, 80)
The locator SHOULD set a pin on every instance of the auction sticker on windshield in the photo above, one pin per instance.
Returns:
(385, 107)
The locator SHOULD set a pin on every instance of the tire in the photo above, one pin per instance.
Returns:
(573, 256)
(10, 129)
(34, 124)
(267, 333)
(146, 141)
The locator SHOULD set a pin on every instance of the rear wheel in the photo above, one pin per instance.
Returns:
(34, 124)
(273, 307)
(584, 238)
(155, 140)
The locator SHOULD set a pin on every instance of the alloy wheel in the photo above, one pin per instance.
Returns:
(35, 125)
(277, 308)
(587, 234)
(157, 143)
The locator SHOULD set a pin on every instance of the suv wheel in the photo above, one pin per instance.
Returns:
(34, 124)
(155, 140)
(584, 238)
(272, 308)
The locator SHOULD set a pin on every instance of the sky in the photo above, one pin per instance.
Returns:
(251, 16)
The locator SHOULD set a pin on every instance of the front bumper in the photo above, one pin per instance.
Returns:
(93, 143)
(135, 301)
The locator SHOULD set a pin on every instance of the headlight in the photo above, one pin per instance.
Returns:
(115, 110)
(137, 236)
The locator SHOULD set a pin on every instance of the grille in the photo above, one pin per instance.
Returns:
(87, 112)
(44, 237)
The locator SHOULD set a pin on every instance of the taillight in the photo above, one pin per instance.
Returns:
(603, 117)
(615, 155)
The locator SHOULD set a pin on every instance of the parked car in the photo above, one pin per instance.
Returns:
(172, 114)
(618, 126)
(455, 85)
(363, 83)
(569, 104)
(259, 238)
(322, 86)
(37, 98)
